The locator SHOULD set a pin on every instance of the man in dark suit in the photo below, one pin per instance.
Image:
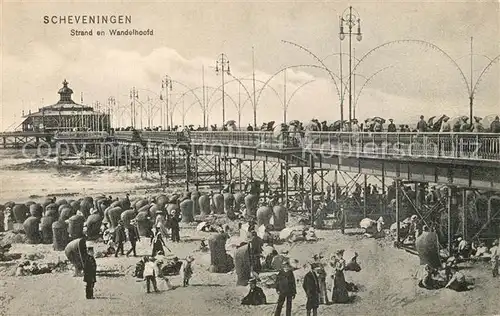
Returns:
(89, 273)
(120, 238)
(255, 296)
(311, 287)
(133, 237)
(285, 286)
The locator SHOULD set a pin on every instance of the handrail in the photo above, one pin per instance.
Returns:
(462, 146)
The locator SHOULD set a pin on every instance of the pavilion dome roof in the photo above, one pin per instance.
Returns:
(65, 93)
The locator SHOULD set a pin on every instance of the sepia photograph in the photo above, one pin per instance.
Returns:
(238, 157)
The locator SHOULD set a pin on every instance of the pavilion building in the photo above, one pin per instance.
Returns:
(66, 115)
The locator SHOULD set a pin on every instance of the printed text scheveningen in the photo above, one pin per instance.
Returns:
(87, 19)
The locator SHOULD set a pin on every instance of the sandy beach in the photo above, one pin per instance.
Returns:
(387, 282)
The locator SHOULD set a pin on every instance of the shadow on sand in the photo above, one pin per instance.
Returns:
(105, 298)
(109, 273)
(355, 233)
(206, 285)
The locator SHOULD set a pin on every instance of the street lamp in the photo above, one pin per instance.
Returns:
(350, 20)
(222, 65)
(167, 85)
(134, 95)
(111, 106)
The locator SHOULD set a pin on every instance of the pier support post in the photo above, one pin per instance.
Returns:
(464, 213)
(251, 169)
(125, 151)
(398, 182)
(336, 189)
(131, 156)
(168, 166)
(160, 157)
(219, 171)
(240, 162)
(282, 183)
(196, 175)
(311, 170)
(383, 201)
(230, 170)
(188, 169)
(365, 194)
(118, 157)
(225, 170)
(301, 179)
(322, 174)
(146, 158)
(450, 196)
(264, 178)
(285, 180)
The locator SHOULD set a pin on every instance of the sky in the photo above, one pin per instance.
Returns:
(416, 56)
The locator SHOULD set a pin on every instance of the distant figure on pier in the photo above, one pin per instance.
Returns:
(249, 128)
(355, 126)
(464, 125)
(391, 128)
(495, 125)
(477, 127)
(422, 125)
(445, 125)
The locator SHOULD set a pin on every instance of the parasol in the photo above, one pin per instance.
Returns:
(378, 119)
(430, 121)
(487, 120)
(454, 120)
(270, 125)
(231, 122)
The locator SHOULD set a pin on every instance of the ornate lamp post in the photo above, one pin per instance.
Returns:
(222, 66)
(350, 19)
(167, 85)
(134, 95)
(111, 106)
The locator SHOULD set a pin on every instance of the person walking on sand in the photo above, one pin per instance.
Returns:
(311, 287)
(133, 237)
(286, 288)
(495, 253)
(89, 273)
(120, 238)
(174, 226)
(151, 271)
(157, 242)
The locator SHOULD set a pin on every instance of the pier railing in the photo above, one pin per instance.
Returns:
(80, 135)
(472, 146)
(479, 146)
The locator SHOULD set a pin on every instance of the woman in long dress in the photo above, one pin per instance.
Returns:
(157, 242)
(339, 286)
